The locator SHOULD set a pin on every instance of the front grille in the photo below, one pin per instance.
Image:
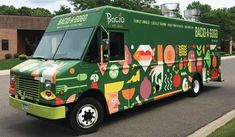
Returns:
(28, 88)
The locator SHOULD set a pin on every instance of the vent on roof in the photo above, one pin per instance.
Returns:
(192, 14)
(170, 9)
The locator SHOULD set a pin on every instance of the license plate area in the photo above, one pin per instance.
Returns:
(25, 107)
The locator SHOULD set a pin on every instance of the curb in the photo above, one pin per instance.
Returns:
(211, 127)
(228, 57)
(4, 72)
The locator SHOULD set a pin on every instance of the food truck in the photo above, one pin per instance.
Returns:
(107, 59)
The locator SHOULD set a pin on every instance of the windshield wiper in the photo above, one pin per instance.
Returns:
(37, 58)
(65, 58)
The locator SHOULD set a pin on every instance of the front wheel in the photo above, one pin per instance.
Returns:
(196, 87)
(86, 116)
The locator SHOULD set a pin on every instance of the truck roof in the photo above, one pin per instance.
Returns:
(94, 17)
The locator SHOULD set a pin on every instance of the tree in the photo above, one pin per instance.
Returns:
(204, 8)
(25, 11)
(40, 12)
(8, 10)
(224, 18)
(62, 10)
(140, 5)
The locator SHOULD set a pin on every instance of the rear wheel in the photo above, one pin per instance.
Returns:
(86, 116)
(196, 87)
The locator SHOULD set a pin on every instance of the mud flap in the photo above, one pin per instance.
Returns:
(216, 68)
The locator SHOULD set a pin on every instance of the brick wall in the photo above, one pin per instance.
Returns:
(11, 35)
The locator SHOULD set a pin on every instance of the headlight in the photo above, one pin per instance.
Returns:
(12, 81)
(13, 78)
(47, 85)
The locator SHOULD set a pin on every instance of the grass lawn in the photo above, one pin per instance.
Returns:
(9, 63)
(228, 130)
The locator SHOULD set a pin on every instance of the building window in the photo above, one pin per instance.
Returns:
(5, 44)
(117, 46)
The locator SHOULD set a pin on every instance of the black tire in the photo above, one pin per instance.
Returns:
(196, 87)
(89, 107)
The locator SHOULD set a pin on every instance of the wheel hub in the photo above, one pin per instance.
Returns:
(196, 86)
(87, 116)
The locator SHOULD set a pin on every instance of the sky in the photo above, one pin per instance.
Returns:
(53, 5)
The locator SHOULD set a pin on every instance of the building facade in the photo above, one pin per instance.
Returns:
(20, 34)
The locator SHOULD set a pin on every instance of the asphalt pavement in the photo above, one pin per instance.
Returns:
(177, 116)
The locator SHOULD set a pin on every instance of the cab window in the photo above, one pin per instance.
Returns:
(92, 55)
(116, 46)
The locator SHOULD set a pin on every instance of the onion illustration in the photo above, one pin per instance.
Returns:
(145, 88)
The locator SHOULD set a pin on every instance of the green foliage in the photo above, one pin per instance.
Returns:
(23, 57)
(62, 10)
(8, 56)
(140, 5)
(8, 10)
(204, 8)
(40, 12)
(25, 11)
(225, 18)
(16, 55)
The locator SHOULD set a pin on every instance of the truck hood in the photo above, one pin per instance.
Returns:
(44, 70)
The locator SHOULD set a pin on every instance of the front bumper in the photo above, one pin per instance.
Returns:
(52, 113)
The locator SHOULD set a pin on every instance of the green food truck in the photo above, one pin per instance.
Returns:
(105, 60)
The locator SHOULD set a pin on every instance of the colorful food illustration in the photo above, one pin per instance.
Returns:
(59, 101)
(144, 55)
(177, 80)
(185, 86)
(113, 102)
(138, 100)
(82, 77)
(112, 87)
(208, 58)
(169, 55)
(191, 61)
(128, 94)
(214, 61)
(199, 64)
(102, 67)
(71, 99)
(145, 88)
(168, 81)
(183, 50)
(157, 72)
(134, 78)
(199, 50)
(48, 95)
(214, 74)
(113, 72)
(127, 61)
(94, 78)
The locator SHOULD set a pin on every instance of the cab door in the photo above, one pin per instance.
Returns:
(115, 64)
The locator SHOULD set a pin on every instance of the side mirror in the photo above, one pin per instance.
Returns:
(105, 50)
(105, 45)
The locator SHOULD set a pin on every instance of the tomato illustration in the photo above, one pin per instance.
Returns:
(177, 80)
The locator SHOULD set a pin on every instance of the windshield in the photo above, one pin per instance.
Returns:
(63, 45)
